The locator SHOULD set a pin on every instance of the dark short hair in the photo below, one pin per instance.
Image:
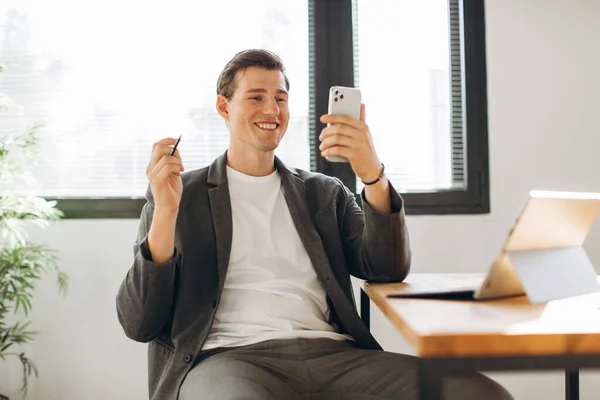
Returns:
(244, 59)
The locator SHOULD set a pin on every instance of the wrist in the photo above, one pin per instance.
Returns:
(377, 196)
(374, 177)
(165, 214)
(161, 236)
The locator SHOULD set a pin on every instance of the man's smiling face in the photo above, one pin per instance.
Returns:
(257, 114)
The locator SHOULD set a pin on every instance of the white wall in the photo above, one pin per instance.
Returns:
(543, 86)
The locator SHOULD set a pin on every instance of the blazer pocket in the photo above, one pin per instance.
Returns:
(164, 344)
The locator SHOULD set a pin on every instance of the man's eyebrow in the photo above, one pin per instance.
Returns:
(279, 91)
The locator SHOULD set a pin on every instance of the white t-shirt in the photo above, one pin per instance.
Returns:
(271, 289)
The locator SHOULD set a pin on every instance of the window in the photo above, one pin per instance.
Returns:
(421, 68)
(407, 88)
(108, 78)
(112, 77)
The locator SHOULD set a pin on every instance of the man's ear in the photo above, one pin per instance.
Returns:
(222, 105)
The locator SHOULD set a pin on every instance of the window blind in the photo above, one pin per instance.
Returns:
(409, 60)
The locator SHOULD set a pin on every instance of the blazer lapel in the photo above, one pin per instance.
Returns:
(220, 206)
(295, 196)
(345, 312)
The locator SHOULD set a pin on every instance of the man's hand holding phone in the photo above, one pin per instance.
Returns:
(350, 138)
(163, 174)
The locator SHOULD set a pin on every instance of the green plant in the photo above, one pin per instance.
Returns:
(22, 263)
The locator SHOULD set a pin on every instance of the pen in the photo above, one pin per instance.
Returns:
(176, 144)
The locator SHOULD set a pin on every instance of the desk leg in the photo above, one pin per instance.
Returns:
(572, 384)
(430, 380)
(365, 308)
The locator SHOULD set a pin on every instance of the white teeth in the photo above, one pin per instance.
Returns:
(267, 126)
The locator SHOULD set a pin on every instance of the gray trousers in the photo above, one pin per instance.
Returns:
(294, 369)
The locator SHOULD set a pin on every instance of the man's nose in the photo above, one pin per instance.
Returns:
(271, 107)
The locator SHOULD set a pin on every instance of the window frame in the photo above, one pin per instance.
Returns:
(334, 65)
(331, 62)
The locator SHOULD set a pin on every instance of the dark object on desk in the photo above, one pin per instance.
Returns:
(455, 287)
(467, 294)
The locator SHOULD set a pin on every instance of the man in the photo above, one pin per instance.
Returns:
(241, 277)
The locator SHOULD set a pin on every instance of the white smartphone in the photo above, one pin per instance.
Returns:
(344, 101)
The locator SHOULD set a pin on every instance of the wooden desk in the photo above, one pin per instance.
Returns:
(507, 334)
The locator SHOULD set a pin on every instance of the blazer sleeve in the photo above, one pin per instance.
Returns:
(146, 296)
(376, 245)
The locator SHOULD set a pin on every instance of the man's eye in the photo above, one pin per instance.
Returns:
(282, 100)
(257, 98)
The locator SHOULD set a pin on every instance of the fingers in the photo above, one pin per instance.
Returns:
(345, 120)
(168, 160)
(173, 163)
(163, 146)
(343, 151)
(165, 142)
(176, 154)
(343, 130)
(163, 174)
(337, 140)
(346, 140)
(159, 159)
(160, 150)
(363, 112)
(166, 172)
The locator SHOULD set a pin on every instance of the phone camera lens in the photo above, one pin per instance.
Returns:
(341, 96)
(336, 92)
(335, 99)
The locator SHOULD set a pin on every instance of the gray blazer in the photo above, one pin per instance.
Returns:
(172, 305)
